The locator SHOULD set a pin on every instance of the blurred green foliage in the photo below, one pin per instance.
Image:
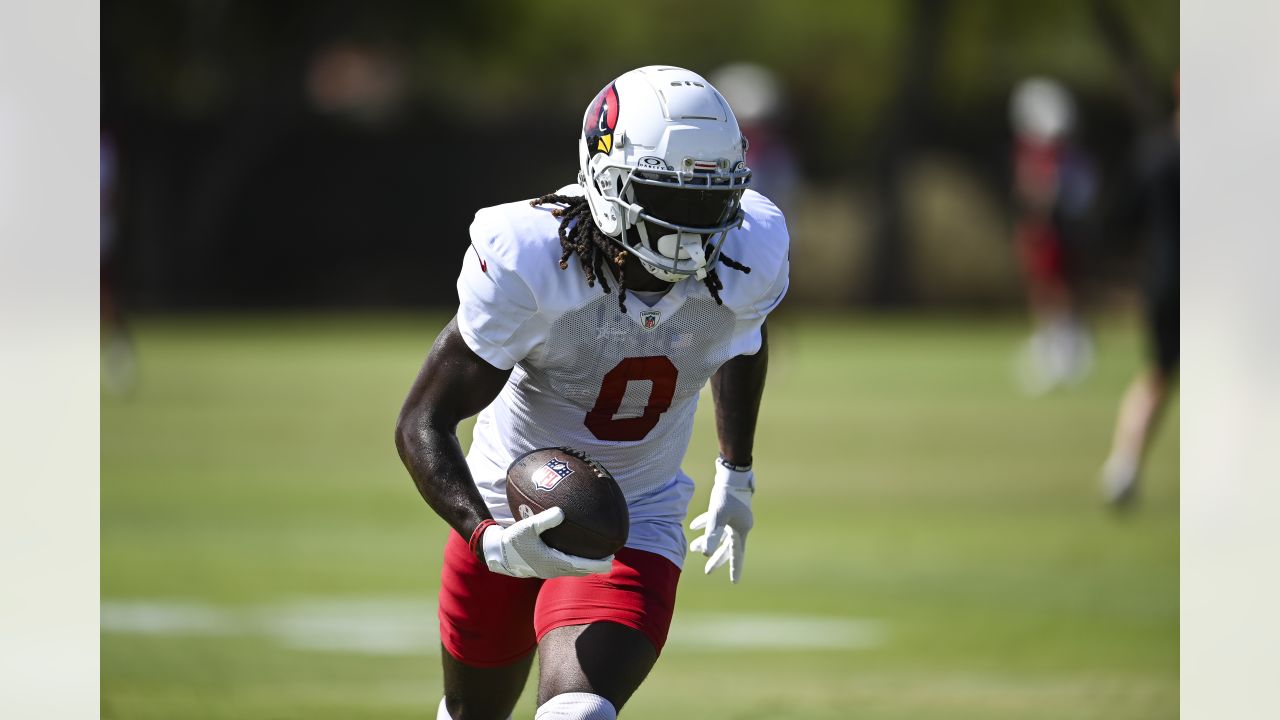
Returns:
(838, 60)
(230, 159)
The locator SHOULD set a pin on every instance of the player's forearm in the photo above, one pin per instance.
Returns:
(737, 388)
(454, 384)
(435, 460)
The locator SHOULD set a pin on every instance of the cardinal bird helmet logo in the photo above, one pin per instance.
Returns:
(601, 121)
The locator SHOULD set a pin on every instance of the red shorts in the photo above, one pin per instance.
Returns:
(490, 620)
(1043, 257)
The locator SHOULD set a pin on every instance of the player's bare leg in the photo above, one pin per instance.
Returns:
(472, 693)
(1059, 351)
(1139, 410)
(603, 658)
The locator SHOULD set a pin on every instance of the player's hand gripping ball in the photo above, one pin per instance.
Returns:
(596, 520)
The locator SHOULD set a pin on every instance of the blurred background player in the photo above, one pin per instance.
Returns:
(758, 101)
(1054, 186)
(592, 318)
(1145, 398)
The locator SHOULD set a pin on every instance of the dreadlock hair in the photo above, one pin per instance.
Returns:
(579, 234)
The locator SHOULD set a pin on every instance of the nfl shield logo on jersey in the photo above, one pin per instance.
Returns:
(649, 319)
(550, 475)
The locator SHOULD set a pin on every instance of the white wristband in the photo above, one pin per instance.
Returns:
(735, 477)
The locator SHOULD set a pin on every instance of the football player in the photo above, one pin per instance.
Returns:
(591, 318)
(1054, 188)
(1147, 394)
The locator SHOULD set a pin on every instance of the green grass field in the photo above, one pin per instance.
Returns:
(264, 555)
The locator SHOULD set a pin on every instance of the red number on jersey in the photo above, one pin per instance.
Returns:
(657, 369)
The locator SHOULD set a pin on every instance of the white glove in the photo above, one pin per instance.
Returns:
(518, 550)
(727, 520)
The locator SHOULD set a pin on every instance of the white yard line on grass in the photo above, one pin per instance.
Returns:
(390, 626)
(715, 632)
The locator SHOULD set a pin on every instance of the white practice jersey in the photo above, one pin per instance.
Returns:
(622, 388)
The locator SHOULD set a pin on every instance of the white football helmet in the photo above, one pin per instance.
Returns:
(661, 154)
(1042, 108)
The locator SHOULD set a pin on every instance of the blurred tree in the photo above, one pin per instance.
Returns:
(907, 115)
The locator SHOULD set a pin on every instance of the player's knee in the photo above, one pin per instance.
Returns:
(442, 713)
(576, 706)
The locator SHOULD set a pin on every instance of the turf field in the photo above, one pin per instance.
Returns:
(927, 545)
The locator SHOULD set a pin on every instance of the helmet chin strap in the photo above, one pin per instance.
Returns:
(685, 246)
(680, 248)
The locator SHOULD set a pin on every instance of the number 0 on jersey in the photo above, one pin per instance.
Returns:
(656, 368)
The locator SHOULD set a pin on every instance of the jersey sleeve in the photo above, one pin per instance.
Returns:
(770, 278)
(746, 332)
(497, 311)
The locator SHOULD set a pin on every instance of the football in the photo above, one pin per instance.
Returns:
(596, 520)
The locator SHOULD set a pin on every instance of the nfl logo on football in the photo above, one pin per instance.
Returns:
(649, 319)
(550, 475)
